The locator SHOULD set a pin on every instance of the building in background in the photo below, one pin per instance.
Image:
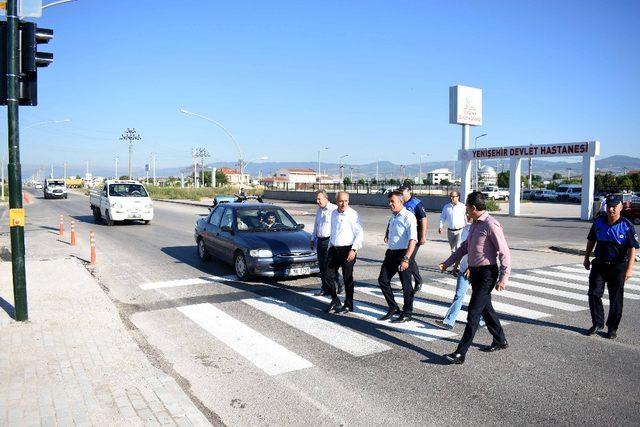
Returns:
(436, 176)
(487, 176)
(233, 175)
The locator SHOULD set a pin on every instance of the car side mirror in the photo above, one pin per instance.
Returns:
(300, 226)
(227, 229)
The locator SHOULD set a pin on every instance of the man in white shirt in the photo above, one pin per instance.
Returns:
(454, 217)
(320, 239)
(346, 240)
(401, 242)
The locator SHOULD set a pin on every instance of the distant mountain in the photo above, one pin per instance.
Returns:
(615, 164)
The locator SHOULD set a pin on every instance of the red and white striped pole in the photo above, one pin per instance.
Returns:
(73, 233)
(92, 244)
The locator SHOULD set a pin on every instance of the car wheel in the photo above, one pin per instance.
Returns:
(240, 266)
(107, 219)
(203, 253)
(147, 221)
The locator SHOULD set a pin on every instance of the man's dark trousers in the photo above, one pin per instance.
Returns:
(613, 275)
(413, 265)
(323, 259)
(392, 260)
(483, 280)
(337, 258)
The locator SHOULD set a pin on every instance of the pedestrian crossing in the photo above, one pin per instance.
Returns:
(531, 294)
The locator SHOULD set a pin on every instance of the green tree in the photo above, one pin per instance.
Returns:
(124, 177)
(392, 181)
(556, 175)
(445, 182)
(635, 178)
(374, 181)
(503, 179)
(625, 182)
(361, 181)
(221, 177)
(346, 181)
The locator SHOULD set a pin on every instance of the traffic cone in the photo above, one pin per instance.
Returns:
(92, 244)
(61, 229)
(73, 233)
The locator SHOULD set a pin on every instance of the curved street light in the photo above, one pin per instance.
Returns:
(209, 119)
(475, 146)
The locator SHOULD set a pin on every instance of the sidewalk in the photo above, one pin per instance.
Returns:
(74, 362)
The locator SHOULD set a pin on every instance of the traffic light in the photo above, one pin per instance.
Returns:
(30, 60)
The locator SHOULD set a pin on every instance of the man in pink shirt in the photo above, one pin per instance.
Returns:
(483, 247)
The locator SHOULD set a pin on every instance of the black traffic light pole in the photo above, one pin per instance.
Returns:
(16, 212)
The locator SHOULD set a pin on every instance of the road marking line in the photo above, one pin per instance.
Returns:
(371, 313)
(529, 298)
(549, 291)
(499, 306)
(174, 283)
(429, 307)
(579, 277)
(266, 354)
(570, 285)
(581, 271)
(331, 333)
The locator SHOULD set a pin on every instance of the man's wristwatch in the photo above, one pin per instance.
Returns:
(405, 258)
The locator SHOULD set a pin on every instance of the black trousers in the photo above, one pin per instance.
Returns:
(337, 259)
(392, 260)
(483, 280)
(413, 265)
(613, 276)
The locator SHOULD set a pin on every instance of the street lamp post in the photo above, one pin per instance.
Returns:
(475, 146)
(318, 174)
(129, 136)
(341, 167)
(241, 162)
(420, 156)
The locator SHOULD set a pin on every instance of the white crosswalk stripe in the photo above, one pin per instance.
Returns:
(582, 272)
(568, 276)
(499, 306)
(331, 333)
(263, 352)
(564, 284)
(174, 283)
(548, 291)
(371, 313)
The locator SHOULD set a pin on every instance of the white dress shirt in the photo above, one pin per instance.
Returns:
(453, 216)
(464, 263)
(403, 227)
(322, 224)
(346, 229)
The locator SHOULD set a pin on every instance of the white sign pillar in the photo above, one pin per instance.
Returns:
(514, 185)
(588, 186)
(465, 186)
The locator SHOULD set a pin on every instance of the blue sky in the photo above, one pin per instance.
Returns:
(364, 78)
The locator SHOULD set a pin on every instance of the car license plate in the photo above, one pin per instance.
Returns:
(297, 271)
(136, 216)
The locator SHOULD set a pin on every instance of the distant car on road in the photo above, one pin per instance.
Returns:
(544, 195)
(257, 239)
(570, 192)
(495, 193)
(38, 186)
(54, 189)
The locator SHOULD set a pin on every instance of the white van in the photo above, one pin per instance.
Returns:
(569, 192)
(121, 200)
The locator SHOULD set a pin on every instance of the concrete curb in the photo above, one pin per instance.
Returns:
(572, 251)
(183, 202)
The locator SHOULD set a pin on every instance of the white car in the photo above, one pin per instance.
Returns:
(121, 200)
(38, 186)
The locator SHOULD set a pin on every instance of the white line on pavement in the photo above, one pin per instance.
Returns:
(564, 284)
(370, 313)
(429, 307)
(174, 283)
(266, 354)
(582, 272)
(331, 333)
(529, 298)
(578, 276)
(499, 306)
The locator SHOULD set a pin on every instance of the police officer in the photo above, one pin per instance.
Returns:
(415, 206)
(615, 241)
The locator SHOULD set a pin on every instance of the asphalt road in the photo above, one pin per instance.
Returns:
(266, 353)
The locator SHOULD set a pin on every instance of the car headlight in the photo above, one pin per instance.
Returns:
(261, 253)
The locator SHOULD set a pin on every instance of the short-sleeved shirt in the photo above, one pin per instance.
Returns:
(415, 206)
(613, 241)
(402, 229)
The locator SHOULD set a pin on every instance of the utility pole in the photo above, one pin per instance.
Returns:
(201, 153)
(181, 180)
(116, 176)
(16, 211)
(530, 173)
(2, 168)
(129, 136)
(154, 168)
(87, 173)
(51, 174)
(377, 164)
(195, 168)
(65, 170)
(213, 177)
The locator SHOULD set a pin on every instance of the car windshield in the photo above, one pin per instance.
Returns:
(127, 190)
(267, 218)
(55, 183)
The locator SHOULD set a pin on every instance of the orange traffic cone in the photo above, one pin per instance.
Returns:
(73, 233)
(61, 229)
(92, 244)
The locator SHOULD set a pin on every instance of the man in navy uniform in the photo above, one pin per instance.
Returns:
(615, 241)
(415, 206)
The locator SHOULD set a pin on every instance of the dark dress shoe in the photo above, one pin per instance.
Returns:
(495, 347)
(455, 358)
(444, 325)
(402, 318)
(612, 334)
(345, 309)
(389, 314)
(320, 293)
(593, 330)
(417, 288)
(333, 307)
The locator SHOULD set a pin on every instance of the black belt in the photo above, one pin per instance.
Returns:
(324, 238)
(455, 229)
(483, 267)
(597, 261)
